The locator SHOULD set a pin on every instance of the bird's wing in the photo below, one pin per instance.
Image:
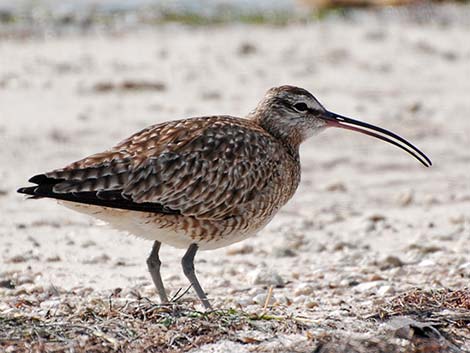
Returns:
(205, 167)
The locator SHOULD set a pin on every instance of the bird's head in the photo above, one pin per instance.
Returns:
(293, 114)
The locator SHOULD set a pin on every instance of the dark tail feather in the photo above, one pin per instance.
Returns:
(106, 198)
(43, 179)
(43, 189)
(29, 191)
(39, 191)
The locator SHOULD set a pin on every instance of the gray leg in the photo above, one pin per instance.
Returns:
(153, 264)
(188, 269)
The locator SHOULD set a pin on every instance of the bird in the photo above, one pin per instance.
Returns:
(201, 183)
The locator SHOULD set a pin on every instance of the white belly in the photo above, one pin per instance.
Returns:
(139, 224)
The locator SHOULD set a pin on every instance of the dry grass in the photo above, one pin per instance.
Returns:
(420, 321)
(322, 4)
(129, 325)
(437, 320)
(419, 301)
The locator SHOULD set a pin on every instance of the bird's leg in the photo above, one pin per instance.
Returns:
(153, 264)
(188, 268)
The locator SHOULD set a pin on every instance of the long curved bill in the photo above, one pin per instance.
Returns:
(336, 120)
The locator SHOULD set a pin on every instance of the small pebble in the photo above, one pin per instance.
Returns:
(261, 299)
(405, 198)
(97, 259)
(427, 263)
(283, 252)
(414, 107)
(336, 186)
(342, 245)
(16, 259)
(457, 219)
(348, 282)
(367, 286)
(464, 270)
(245, 249)
(376, 217)
(55, 258)
(19, 291)
(385, 290)
(88, 243)
(25, 279)
(390, 262)
(375, 277)
(50, 304)
(303, 289)
(83, 291)
(300, 299)
(306, 301)
(282, 300)
(247, 48)
(245, 301)
(310, 303)
(265, 276)
(256, 290)
(430, 200)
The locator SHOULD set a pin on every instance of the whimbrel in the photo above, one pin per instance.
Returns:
(201, 183)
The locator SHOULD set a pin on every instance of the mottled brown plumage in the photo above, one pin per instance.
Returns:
(206, 168)
(202, 182)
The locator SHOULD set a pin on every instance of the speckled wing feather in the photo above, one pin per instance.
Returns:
(205, 167)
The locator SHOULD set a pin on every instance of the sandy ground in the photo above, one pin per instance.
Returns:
(367, 223)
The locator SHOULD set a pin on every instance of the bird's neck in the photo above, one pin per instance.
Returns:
(288, 136)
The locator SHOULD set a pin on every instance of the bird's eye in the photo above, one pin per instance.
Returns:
(301, 107)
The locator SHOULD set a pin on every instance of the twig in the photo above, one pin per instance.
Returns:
(175, 299)
(268, 299)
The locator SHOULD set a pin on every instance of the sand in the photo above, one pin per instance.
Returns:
(367, 223)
